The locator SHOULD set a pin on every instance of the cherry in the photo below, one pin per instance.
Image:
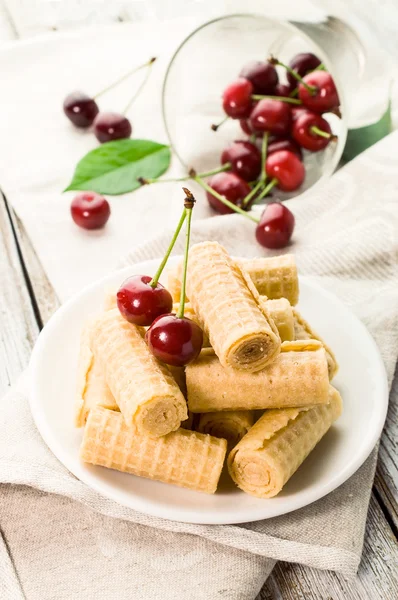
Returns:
(230, 186)
(273, 116)
(284, 89)
(263, 76)
(245, 159)
(275, 227)
(80, 109)
(312, 131)
(90, 210)
(302, 63)
(246, 128)
(140, 303)
(324, 96)
(297, 111)
(284, 144)
(288, 170)
(111, 126)
(237, 101)
(174, 340)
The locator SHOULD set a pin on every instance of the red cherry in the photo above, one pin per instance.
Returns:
(229, 185)
(263, 76)
(246, 127)
(284, 144)
(111, 126)
(80, 109)
(273, 116)
(275, 227)
(245, 159)
(90, 210)
(297, 111)
(325, 98)
(302, 63)
(286, 168)
(173, 340)
(237, 101)
(140, 303)
(304, 134)
(284, 89)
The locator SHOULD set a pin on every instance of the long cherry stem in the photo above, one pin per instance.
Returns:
(216, 126)
(263, 174)
(223, 200)
(224, 167)
(274, 61)
(168, 251)
(137, 93)
(188, 206)
(287, 99)
(267, 189)
(123, 77)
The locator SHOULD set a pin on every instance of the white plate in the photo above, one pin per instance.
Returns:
(361, 381)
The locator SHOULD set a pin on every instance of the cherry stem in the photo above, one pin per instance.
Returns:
(263, 175)
(294, 93)
(267, 189)
(137, 93)
(192, 175)
(321, 133)
(223, 200)
(123, 77)
(162, 265)
(287, 99)
(216, 126)
(274, 61)
(188, 206)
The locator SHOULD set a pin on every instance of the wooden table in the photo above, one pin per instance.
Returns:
(27, 300)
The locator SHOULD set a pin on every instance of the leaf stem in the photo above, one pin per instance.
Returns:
(223, 200)
(123, 77)
(162, 265)
(188, 204)
(311, 88)
(224, 167)
(137, 93)
(287, 99)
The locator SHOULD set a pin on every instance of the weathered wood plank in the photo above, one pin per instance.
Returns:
(377, 576)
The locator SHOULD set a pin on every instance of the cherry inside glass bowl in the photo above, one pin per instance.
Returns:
(207, 61)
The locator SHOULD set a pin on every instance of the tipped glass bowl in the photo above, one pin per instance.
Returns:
(208, 60)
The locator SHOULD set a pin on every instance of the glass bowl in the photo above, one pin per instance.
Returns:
(206, 62)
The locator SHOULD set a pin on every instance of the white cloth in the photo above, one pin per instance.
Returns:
(346, 239)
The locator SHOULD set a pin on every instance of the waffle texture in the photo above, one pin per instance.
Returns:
(183, 458)
(239, 329)
(230, 425)
(274, 448)
(281, 312)
(304, 331)
(297, 377)
(274, 277)
(144, 389)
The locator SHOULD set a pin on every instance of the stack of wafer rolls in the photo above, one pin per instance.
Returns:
(297, 377)
(238, 326)
(143, 387)
(304, 331)
(184, 458)
(274, 448)
(231, 425)
(274, 277)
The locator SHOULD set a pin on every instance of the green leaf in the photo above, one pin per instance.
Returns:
(114, 168)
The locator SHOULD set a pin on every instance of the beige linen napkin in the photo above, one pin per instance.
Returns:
(346, 239)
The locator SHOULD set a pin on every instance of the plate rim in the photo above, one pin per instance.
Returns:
(139, 504)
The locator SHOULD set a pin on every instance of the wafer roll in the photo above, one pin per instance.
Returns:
(304, 331)
(183, 458)
(91, 389)
(230, 425)
(237, 324)
(144, 389)
(274, 448)
(281, 312)
(274, 277)
(297, 377)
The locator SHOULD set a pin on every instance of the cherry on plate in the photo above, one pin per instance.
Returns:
(262, 75)
(284, 143)
(302, 63)
(286, 168)
(273, 116)
(312, 131)
(324, 98)
(276, 226)
(173, 340)
(111, 126)
(284, 89)
(230, 186)
(245, 159)
(237, 99)
(246, 128)
(80, 109)
(140, 303)
(90, 210)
